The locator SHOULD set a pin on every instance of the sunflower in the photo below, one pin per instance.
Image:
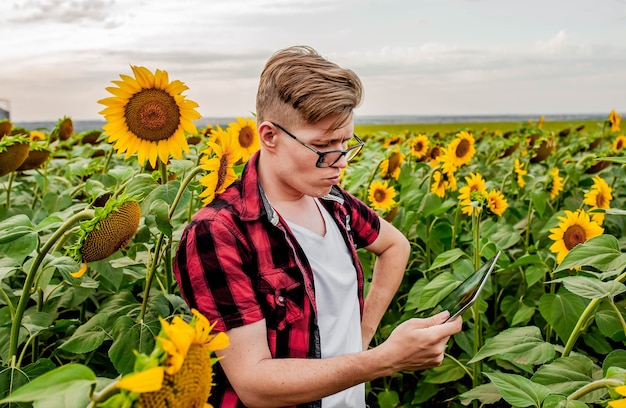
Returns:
(440, 183)
(433, 155)
(619, 143)
(419, 146)
(556, 183)
(393, 141)
(111, 230)
(575, 228)
(461, 149)
(519, 170)
(472, 196)
(227, 154)
(391, 166)
(13, 152)
(496, 203)
(5, 127)
(37, 135)
(620, 403)
(149, 116)
(599, 196)
(381, 196)
(614, 119)
(64, 128)
(247, 136)
(179, 371)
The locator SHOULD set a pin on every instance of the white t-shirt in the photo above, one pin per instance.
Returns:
(338, 311)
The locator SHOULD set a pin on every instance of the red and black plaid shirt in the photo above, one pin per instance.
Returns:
(238, 262)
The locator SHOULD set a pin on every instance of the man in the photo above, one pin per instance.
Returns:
(273, 259)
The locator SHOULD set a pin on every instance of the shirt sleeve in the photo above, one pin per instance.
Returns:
(210, 267)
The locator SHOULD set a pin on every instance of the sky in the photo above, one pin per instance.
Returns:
(414, 57)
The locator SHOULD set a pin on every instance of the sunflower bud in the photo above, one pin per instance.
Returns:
(5, 127)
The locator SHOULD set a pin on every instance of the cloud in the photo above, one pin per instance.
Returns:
(64, 12)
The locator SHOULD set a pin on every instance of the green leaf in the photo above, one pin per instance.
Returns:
(448, 371)
(616, 358)
(519, 391)
(610, 325)
(534, 273)
(437, 289)
(446, 258)
(431, 203)
(523, 315)
(568, 374)
(592, 288)
(522, 345)
(53, 383)
(388, 399)
(87, 337)
(159, 209)
(561, 311)
(141, 185)
(561, 401)
(414, 295)
(485, 393)
(600, 252)
(539, 199)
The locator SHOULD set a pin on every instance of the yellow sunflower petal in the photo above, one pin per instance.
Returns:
(80, 272)
(149, 380)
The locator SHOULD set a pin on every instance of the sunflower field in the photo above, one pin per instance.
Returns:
(91, 316)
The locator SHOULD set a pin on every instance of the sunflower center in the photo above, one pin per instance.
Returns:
(573, 236)
(394, 162)
(246, 137)
(619, 145)
(152, 115)
(462, 148)
(418, 147)
(380, 195)
(600, 202)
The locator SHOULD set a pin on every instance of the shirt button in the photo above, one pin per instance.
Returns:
(280, 300)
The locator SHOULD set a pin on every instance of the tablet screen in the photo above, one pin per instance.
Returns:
(464, 295)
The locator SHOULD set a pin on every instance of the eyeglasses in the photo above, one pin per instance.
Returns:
(330, 157)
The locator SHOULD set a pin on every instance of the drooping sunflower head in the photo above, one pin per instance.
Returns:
(111, 230)
(5, 127)
(38, 153)
(619, 143)
(391, 166)
(381, 195)
(13, 152)
(419, 146)
(496, 203)
(64, 128)
(90, 137)
(574, 228)
(149, 116)
(461, 149)
(247, 136)
(219, 160)
(543, 151)
(615, 120)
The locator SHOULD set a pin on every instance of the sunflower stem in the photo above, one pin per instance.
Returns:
(163, 168)
(30, 277)
(107, 162)
(150, 276)
(582, 320)
(11, 177)
(477, 366)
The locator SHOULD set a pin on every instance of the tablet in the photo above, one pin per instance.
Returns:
(464, 295)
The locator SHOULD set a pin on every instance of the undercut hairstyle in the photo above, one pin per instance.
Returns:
(299, 80)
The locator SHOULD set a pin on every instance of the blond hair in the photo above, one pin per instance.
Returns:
(299, 85)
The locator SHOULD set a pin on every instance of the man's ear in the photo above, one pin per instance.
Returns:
(267, 135)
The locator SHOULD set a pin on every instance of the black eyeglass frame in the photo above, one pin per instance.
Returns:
(320, 161)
